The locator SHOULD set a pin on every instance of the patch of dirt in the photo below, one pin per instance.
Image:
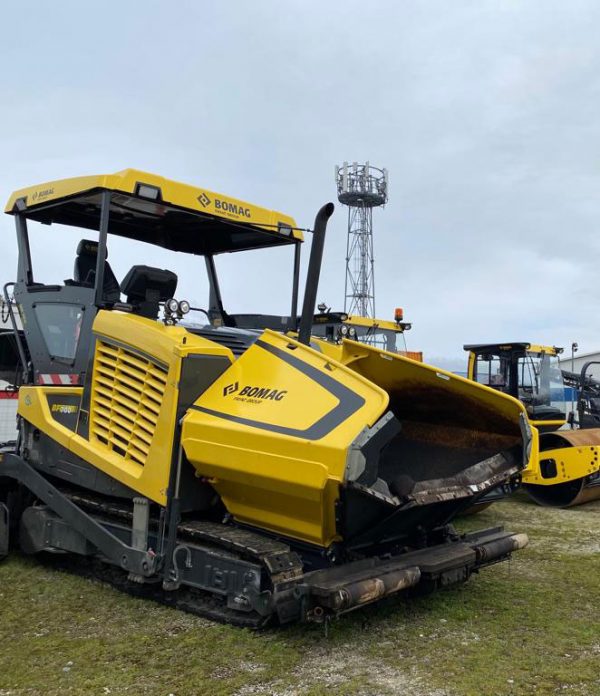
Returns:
(242, 666)
(334, 668)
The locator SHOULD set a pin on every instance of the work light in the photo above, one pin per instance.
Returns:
(172, 305)
(146, 191)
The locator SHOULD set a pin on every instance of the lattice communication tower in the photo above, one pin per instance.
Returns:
(361, 187)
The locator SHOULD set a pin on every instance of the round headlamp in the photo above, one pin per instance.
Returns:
(172, 305)
(184, 307)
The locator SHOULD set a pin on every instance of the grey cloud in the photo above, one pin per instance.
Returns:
(485, 113)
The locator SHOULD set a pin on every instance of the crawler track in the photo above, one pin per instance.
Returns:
(279, 564)
(192, 601)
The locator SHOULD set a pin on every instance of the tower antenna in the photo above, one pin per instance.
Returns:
(361, 187)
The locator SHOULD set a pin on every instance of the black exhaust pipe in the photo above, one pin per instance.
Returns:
(314, 271)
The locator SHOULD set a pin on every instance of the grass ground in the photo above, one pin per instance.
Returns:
(530, 626)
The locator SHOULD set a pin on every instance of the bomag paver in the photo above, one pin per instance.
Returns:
(246, 475)
(567, 470)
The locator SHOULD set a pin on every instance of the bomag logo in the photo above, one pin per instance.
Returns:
(64, 408)
(265, 393)
(231, 388)
(254, 394)
(204, 200)
(233, 208)
(42, 194)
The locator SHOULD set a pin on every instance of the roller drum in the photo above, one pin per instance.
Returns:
(576, 491)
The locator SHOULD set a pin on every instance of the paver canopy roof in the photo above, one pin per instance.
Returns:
(158, 211)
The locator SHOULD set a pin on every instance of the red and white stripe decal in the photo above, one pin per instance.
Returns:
(9, 394)
(58, 380)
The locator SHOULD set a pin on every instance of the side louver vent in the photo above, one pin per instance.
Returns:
(236, 345)
(127, 393)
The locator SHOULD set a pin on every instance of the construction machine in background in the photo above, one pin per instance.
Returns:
(244, 474)
(338, 326)
(587, 391)
(382, 333)
(567, 471)
(528, 372)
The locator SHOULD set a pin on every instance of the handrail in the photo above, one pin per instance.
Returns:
(20, 347)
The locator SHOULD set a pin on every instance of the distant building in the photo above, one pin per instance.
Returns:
(579, 362)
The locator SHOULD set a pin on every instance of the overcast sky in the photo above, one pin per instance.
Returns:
(486, 114)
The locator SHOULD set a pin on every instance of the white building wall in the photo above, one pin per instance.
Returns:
(8, 414)
(579, 362)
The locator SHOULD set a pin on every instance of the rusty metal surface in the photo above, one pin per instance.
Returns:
(355, 594)
(500, 547)
(458, 437)
(343, 588)
(574, 438)
(586, 495)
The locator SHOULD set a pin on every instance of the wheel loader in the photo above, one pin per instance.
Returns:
(245, 474)
(567, 471)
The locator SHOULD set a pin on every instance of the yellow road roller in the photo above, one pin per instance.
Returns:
(567, 471)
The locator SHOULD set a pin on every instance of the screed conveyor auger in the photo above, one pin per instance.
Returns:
(243, 474)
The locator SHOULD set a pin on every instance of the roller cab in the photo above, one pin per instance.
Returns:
(528, 372)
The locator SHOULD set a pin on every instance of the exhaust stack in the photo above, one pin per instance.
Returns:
(314, 272)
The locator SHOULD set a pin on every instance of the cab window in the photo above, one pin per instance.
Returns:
(528, 379)
(492, 371)
(60, 325)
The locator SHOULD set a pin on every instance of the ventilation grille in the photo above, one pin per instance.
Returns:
(235, 344)
(127, 394)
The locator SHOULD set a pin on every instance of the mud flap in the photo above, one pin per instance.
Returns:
(3, 531)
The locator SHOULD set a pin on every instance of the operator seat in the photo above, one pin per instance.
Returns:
(145, 287)
(84, 272)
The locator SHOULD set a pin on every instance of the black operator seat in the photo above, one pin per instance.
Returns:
(84, 272)
(145, 287)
